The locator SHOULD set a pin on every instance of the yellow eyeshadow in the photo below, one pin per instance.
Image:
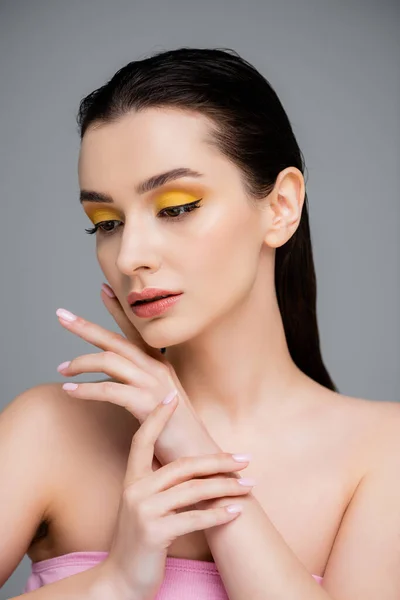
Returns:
(101, 215)
(175, 199)
(168, 199)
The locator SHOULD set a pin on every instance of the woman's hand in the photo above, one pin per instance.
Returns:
(115, 309)
(149, 516)
(140, 378)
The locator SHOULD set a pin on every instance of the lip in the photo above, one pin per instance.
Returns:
(150, 292)
(153, 309)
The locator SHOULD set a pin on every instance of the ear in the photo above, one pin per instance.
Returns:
(285, 206)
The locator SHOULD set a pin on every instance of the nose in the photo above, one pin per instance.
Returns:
(137, 250)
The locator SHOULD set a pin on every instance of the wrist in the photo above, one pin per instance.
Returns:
(108, 587)
(184, 435)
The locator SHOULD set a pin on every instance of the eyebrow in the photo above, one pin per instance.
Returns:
(145, 186)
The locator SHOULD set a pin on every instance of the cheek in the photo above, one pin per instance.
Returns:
(225, 259)
(106, 257)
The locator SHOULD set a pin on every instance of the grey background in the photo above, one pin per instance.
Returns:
(335, 66)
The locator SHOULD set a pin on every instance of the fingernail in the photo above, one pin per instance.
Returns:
(70, 386)
(247, 481)
(234, 508)
(65, 314)
(170, 397)
(107, 290)
(242, 457)
(63, 365)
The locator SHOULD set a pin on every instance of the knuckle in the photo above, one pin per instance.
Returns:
(142, 437)
(180, 463)
(184, 463)
(131, 496)
(193, 484)
(138, 438)
(148, 398)
(116, 336)
(143, 511)
(138, 506)
(107, 387)
(196, 517)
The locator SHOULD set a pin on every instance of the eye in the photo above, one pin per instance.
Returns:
(186, 208)
(100, 225)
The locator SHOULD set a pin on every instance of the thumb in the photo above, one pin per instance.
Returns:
(141, 456)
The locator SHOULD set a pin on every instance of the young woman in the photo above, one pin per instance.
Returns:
(193, 180)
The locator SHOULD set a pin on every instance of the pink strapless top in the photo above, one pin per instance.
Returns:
(184, 578)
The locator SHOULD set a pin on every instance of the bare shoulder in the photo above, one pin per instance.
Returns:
(382, 416)
(371, 425)
(33, 415)
(84, 420)
(49, 441)
(39, 398)
(29, 466)
(47, 414)
(384, 421)
(357, 563)
(47, 404)
(68, 425)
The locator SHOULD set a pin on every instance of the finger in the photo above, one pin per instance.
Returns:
(110, 363)
(141, 454)
(115, 309)
(173, 376)
(195, 520)
(190, 492)
(187, 467)
(135, 400)
(109, 340)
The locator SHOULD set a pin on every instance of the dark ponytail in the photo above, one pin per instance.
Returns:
(251, 128)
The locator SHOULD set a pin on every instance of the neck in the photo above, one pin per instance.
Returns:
(240, 367)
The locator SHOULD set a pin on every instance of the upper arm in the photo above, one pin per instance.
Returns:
(365, 559)
(26, 466)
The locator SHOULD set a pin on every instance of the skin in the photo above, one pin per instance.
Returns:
(220, 255)
(316, 452)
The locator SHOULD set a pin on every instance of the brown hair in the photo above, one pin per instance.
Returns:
(253, 131)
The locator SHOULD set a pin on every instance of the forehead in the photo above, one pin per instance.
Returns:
(145, 142)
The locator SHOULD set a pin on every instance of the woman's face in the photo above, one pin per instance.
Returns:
(211, 253)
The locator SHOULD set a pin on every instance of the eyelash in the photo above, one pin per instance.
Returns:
(187, 209)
